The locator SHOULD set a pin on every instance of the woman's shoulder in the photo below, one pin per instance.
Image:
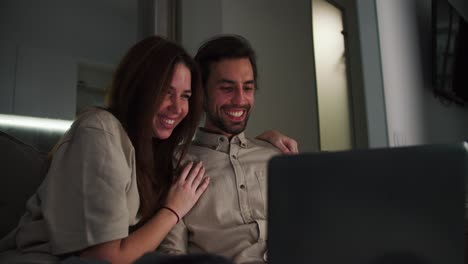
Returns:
(98, 127)
(98, 119)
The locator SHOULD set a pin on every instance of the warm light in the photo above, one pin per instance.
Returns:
(56, 125)
(334, 110)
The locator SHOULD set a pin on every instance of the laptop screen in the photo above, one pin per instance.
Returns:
(378, 206)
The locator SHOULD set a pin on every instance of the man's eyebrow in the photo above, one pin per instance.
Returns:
(227, 81)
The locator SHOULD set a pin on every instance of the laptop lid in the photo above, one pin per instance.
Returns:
(378, 206)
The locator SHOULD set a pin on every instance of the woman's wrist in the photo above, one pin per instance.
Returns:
(171, 211)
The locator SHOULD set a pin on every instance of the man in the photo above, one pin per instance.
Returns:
(230, 218)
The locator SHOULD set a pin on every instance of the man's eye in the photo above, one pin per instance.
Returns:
(226, 88)
(248, 88)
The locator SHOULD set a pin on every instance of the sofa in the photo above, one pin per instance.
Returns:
(23, 166)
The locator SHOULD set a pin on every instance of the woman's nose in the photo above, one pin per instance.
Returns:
(175, 105)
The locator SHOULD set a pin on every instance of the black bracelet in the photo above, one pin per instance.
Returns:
(172, 210)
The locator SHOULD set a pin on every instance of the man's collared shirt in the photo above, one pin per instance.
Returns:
(230, 217)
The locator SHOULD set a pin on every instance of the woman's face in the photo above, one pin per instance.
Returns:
(175, 104)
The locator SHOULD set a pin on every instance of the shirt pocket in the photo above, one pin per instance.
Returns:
(262, 183)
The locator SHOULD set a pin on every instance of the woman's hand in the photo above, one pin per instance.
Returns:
(183, 194)
(188, 187)
(286, 144)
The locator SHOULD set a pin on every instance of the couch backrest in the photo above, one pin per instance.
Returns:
(22, 169)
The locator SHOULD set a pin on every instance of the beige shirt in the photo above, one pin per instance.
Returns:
(89, 195)
(230, 217)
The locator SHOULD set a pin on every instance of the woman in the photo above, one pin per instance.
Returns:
(113, 170)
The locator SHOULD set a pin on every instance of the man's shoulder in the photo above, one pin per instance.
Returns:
(195, 150)
(261, 144)
(192, 153)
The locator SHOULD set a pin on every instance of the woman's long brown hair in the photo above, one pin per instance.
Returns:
(138, 87)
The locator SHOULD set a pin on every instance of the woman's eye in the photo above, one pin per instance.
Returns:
(186, 96)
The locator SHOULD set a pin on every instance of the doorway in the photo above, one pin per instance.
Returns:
(332, 78)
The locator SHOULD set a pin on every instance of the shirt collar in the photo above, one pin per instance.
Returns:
(217, 141)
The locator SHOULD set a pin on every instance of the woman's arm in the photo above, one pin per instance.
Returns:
(184, 193)
(286, 144)
(143, 240)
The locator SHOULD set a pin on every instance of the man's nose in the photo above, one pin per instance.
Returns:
(239, 97)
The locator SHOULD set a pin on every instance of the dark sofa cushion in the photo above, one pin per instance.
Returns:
(22, 168)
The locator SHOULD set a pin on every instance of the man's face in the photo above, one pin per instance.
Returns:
(230, 96)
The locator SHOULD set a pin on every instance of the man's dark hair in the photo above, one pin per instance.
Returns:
(224, 47)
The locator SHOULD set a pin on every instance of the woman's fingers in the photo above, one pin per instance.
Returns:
(198, 178)
(284, 143)
(185, 172)
(288, 146)
(202, 187)
(283, 148)
(188, 188)
(193, 173)
(292, 146)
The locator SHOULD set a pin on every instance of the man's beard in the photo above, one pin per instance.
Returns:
(229, 127)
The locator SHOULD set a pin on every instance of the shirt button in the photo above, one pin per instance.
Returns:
(234, 156)
(221, 139)
(242, 186)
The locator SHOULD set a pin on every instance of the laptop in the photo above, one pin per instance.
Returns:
(400, 205)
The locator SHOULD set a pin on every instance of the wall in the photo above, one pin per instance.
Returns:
(46, 40)
(84, 29)
(7, 76)
(280, 31)
(414, 115)
(199, 20)
(372, 84)
(461, 6)
(45, 84)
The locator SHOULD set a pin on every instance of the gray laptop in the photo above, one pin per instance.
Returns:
(382, 206)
